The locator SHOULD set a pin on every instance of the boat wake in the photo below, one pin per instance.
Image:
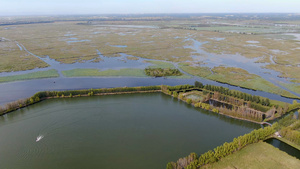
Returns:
(38, 138)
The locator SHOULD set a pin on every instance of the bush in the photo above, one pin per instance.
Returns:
(189, 101)
(175, 94)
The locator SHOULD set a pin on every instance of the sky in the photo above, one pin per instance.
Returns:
(65, 7)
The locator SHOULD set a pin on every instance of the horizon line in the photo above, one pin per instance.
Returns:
(146, 13)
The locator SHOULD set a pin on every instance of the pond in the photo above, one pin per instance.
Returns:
(116, 131)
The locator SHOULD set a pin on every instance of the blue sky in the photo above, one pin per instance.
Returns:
(42, 7)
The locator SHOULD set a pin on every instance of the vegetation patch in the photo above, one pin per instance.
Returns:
(161, 64)
(35, 75)
(132, 58)
(195, 70)
(289, 128)
(291, 86)
(287, 71)
(159, 72)
(238, 77)
(258, 155)
(109, 72)
(15, 58)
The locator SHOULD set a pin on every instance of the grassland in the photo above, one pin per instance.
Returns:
(69, 42)
(235, 76)
(240, 77)
(160, 64)
(15, 58)
(291, 86)
(109, 72)
(77, 41)
(200, 71)
(258, 155)
(35, 75)
(127, 72)
(287, 71)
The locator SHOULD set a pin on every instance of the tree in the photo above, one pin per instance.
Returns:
(37, 99)
(175, 94)
(198, 84)
(295, 102)
(267, 102)
(189, 101)
(31, 100)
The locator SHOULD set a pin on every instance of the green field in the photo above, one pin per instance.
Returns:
(258, 155)
(35, 75)
(109, 72)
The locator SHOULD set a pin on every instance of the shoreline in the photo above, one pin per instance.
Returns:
(171, 77)
(85, 95)
(41, 96)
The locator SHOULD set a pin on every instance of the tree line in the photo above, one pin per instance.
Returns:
(243, 105)
(91, 92)
(224, 91)
(37, 97)
(194, 162)
(289, 127)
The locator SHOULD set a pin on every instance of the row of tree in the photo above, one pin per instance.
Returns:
(239, 102)
(91, 92)
(289, 127)
(9, 107)
(238, 94)
(180, 87)
(70, 93)
(291, 135)
(193, 161)
(237, 109)
(225, 92)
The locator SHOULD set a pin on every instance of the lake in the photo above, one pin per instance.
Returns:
(116, 131)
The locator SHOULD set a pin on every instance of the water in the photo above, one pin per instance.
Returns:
(17, 90)
(13, 91)
(118, 131)
(229, 60)
(284, 147)
(117, 63)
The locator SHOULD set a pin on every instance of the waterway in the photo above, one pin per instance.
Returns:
(284, 147)
(13, 91)
(118, 131)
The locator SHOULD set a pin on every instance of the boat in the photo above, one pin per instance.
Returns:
(39, 138)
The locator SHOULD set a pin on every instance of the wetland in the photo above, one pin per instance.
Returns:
(257, 55)
(251, 55)
(139, 130)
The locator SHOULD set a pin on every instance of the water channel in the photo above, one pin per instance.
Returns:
(284, 147)
(117, 131)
